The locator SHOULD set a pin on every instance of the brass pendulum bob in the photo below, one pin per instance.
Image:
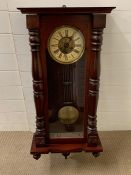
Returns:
(68, 115)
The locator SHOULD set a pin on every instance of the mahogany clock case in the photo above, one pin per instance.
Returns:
(48, 77)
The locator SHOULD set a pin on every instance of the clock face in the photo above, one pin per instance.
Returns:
(66, 44)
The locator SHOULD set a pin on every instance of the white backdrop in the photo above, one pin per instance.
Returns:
(16, 102)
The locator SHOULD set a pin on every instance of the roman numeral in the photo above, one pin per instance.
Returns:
(76, 39)
(73, 34)
(60, 34)
(72, 56)
(60, 55)
(65, 56)
(56, 51)
(54, 45)
(56, 39)
(76, 51)
(77, 45)
(66, 33)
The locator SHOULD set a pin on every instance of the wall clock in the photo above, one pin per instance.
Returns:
(65, 45)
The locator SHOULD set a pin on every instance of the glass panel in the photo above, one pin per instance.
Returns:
(66, 98)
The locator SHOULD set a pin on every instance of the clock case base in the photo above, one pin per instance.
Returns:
(64, 148)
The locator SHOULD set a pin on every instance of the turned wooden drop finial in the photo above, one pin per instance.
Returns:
(66, 155)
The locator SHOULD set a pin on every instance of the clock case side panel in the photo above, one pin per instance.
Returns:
(46, 28)
(39, 81)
